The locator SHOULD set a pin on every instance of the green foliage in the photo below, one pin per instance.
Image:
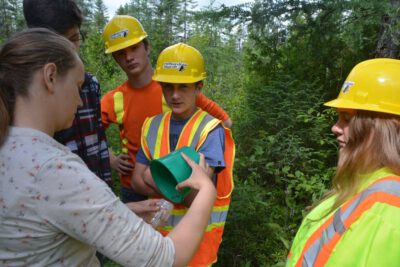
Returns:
(11, 18)
(224, 73)
(252, 212)
(286, 152)
(166, 22)
(98, 63)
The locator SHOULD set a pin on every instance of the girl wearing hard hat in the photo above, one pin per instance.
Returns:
(357, 223)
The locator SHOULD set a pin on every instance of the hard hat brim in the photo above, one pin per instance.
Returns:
(348, 104)
(124, 45)
(177, 78)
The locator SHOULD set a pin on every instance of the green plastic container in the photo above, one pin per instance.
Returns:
(172, 169)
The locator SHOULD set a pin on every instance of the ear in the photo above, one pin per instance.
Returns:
(49, 76)
(148, 50)
(199, 86)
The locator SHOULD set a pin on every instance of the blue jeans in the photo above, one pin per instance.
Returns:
(128, 195)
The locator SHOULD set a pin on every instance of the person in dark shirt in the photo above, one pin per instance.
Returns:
(86, 137)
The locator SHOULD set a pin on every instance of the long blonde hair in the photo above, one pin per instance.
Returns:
(374, 142)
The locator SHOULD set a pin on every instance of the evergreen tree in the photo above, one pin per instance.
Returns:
(389, 40)
(86, 7)
(11, 18)
(100, 14)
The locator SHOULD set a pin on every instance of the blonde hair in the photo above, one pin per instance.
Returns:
(374, 142)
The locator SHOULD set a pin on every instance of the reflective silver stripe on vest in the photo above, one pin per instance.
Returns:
(337, 225)
(152, 133)
(203, 123)
(216, 217)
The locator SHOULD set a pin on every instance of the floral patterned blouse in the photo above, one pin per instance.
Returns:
(54, 211)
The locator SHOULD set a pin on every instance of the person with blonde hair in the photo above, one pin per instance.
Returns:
(53, 210)
(357, 223)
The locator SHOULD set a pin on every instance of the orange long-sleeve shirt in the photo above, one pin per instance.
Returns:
(138, 104)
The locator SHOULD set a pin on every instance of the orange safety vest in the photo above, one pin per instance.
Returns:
(120, 113)
(320, 245)
(155, 144)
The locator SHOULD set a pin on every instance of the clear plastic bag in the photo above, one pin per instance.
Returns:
(161, 217)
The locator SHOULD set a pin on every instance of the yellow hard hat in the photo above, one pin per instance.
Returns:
(372, 85)
(180, 63)
(121, 32)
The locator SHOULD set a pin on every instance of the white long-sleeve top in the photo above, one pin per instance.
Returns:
(54, 211)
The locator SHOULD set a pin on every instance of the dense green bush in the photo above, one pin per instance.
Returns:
(285, 154)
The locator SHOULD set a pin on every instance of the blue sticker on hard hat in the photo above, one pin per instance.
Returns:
(346, 86)
(180, 66)
(116, 35)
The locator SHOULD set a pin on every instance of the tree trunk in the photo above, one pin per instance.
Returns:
(388, 43)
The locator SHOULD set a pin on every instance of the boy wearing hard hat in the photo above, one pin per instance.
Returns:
(180, 71)
(139, 97)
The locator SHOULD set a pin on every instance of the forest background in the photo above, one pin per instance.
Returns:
(271, 64)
